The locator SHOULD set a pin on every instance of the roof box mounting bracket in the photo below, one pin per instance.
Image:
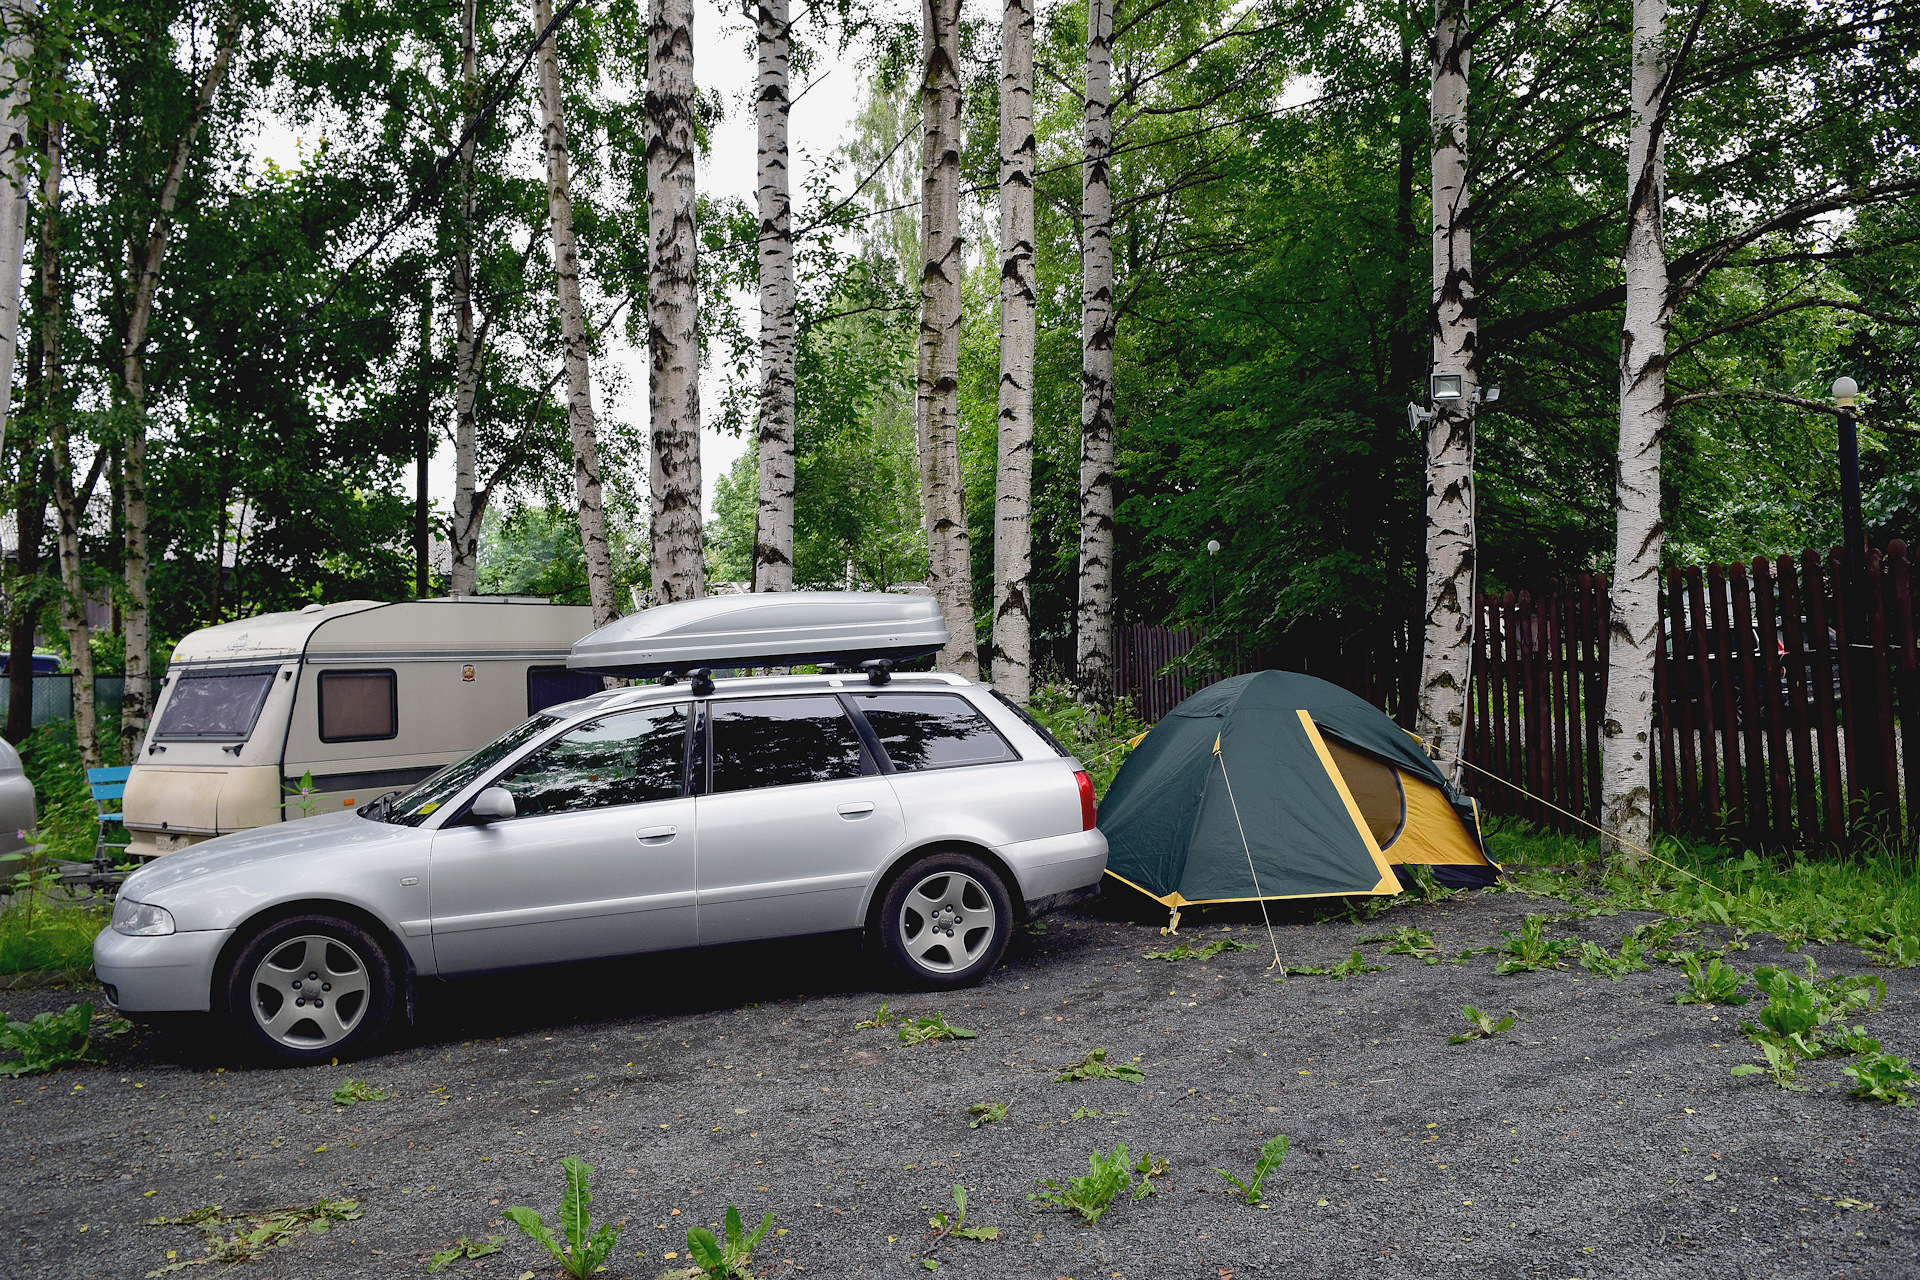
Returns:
(879, 672)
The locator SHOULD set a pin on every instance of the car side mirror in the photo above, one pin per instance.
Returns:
(493, 804)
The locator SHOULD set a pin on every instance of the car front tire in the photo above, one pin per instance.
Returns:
(945, 921)
(310, 988)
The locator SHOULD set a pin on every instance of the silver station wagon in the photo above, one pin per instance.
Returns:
(926, 810)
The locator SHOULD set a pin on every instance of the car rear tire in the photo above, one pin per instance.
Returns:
(310, 988)
(944, 922)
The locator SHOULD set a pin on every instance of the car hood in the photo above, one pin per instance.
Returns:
(305, 840)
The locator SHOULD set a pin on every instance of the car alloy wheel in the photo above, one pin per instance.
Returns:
(310, 992)
(945, 921)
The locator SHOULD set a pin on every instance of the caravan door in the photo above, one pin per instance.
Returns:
(599, 859)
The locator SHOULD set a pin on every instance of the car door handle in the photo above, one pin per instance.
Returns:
(657, 835)
(858, 810)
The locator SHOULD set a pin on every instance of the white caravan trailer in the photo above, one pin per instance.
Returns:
(364, 696)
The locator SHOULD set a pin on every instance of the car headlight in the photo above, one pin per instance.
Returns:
(141, 919)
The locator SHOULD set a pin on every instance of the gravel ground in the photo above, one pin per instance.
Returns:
(1601, 1136)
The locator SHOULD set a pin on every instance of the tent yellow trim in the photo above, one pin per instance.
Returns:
(1434, 834)
(1389, 883)
(1177, 900)
(1137, 739)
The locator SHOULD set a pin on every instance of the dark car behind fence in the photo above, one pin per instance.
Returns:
(1784, 713)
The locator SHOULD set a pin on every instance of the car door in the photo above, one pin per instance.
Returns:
(795, 819)
(599, 859)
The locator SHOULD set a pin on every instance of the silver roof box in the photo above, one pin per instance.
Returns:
(767, 629)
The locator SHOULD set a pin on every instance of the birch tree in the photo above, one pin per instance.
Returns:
(937, 373)
(1453, 326)
(469, 345)
(145, 256)
(773, 532)
(573, 326)
(1013, 489)
(1093, 615)
(15, 177)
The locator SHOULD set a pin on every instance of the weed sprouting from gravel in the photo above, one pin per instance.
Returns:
(463, 1248)
(1632, 958)
(55, 1040)
(1272, 1153)
(1187, 951)
(880, 1019)
(955, 1224)
(1710, 983)
(1781, 1067)
(357, 1091)
(1096, 1067)
(1807, 1017)
(932, 1027)
(1108, 1176)
(269, 1229)
(1481, 1026)
(985, 1113)
(1352, 966)
(728, 1258)
(581, 1253)
(1531, 949)
(1884, 1078)
(1408, 941)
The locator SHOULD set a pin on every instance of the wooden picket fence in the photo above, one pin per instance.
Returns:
(1783, 715)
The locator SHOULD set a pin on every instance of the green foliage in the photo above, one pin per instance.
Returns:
(535, 551)
(1807, 1016)
(1108, 1176)
(300, 802)
(37, 936)
(1710, 983)
(727, 1258)
(1408, 941)
(1780, 1068)
(1272, 1153)
(1884, 1078)
(932, 1027)
(584, 1250)
(463, 1248)
(357, 1091)
(1099, 740)
(1596, 959)
(1096, 1067)
(955, 1224)
(1187, 951)
(54, 1040)
(880, 1019)
(1481, 1026)
(258, 1231)
(985, 1113)
(1531, 949)
(1352, 966)
(69, 822)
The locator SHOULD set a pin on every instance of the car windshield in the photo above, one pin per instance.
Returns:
(415, 806)
(215, 704)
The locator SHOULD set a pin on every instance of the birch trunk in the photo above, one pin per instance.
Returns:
(1453, 324)
(943, 500)
(68, 506)
(1093, 616)
(573, 329)
(773, 533)
(1626, 797)
(1013, 490)
(673, 321)
(137, 702)
(15, 174)
(464, 537)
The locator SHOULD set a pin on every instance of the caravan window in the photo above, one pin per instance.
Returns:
(357, 706)
(215, 704)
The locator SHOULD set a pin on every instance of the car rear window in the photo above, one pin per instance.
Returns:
(222, 704)
(780, 742)
(932, 730)
(1046, 734)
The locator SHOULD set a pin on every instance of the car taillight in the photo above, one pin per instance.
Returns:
(1086, 799)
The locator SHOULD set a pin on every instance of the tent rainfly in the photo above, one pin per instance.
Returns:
(1279, 785)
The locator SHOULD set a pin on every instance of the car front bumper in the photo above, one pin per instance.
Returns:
(168, 974)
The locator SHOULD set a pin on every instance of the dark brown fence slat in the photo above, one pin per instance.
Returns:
(1841, 619)
(1772, 699)
(1800, 706)
(1665, 729)
(1825, 655)
(1723, 711)
(1882, 774)
(1906, 676)
(1681, 679)
(1746, 638)
(1700, 696)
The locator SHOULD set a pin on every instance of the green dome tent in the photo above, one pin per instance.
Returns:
(1279, 785)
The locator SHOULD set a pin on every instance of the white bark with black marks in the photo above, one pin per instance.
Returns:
(673, 334)
(69, 504)
(943, 500)
(1453, 327)
(1093, 614)
(1626, 734)
(573, 329)
(773, 531)
(1013, 488)
(16, 174)
(464, 537)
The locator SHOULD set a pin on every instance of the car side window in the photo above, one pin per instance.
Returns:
(931, 730)
(627, 758)
(780, 742)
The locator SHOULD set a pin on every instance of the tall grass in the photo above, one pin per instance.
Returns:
(41, 927)
(48, 936)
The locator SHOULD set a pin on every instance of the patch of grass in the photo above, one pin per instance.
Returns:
(357, 1091)
(582, 1253)
(1272, 1153)
(1807, 1017)
(932, 1027)
(1781, 1067)
(69, 823)
(1108, 1177)
(1187, 951)
(1595, 958)
(1096, 1067)
(1710, 983)
(1481, 1026)
(55, 1040)
(258, 1232)
(1408, 941)
(1352, 966)
(37, 935)
(1531, 949)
